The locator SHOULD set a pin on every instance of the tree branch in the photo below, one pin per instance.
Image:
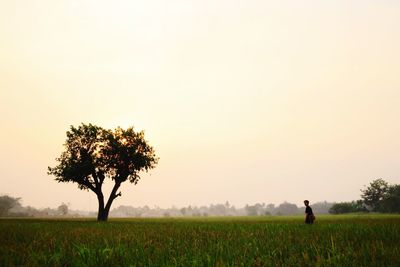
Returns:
(89, 185)
(95, 178)
(101, 177)
(113, 194)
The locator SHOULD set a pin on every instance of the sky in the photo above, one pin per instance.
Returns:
(243, 101)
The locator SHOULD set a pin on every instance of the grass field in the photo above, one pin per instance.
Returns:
(354, 240)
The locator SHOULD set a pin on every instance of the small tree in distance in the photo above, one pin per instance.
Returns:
(374, 193)
(7, 203)
(93, 154)
(63, 209)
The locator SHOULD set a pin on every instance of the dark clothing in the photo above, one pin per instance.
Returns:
(309, 215)
(308, 210)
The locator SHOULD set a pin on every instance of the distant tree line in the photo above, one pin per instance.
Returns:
(11, 207)
(257, 209)
(379, 196)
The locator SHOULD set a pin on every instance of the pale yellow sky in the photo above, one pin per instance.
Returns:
(245, 101)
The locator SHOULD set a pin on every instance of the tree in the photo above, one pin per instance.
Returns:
(251, 210)
(7, 203)
(321, 207)
(374, 193)
(348, 207)
(391, 201)
(93, 154)
(63, 209)
(286, 208)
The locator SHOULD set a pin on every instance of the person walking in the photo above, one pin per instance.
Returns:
(309, 213)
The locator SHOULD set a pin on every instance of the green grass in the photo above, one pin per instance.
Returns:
(355, 240)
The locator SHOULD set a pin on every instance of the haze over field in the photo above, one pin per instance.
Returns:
(245, 101)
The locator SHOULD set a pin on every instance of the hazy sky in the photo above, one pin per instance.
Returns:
(245, 101)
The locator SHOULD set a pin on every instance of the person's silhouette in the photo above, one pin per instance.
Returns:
(309, 213)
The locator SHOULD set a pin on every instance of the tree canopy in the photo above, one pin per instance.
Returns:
(379, 196)
(348, 207)
(7, 203)
(374, 193)
(93, 154)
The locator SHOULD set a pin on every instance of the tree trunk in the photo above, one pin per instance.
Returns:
(102, 215)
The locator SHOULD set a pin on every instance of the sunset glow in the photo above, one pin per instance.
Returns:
(243, 101)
